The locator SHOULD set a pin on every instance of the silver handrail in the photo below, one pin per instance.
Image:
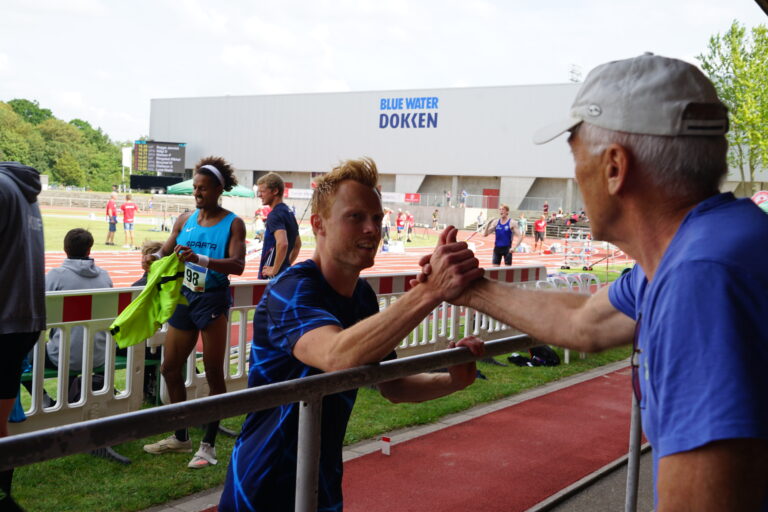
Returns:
(31, 447)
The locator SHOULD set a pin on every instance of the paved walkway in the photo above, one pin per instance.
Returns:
(506, 456)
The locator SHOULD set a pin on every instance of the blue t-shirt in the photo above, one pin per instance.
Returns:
(262, 470)
(212, 241)
(702, 334)
(504, 233)
(280, 217)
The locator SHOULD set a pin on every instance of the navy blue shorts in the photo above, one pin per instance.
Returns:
(14, 348)
(203, 308)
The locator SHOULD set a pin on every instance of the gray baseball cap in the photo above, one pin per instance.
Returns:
(649, 95)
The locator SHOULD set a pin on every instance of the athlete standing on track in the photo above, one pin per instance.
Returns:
(281, 237)
(211, 242)
(129, 213)
(111, 219)
(505, 231)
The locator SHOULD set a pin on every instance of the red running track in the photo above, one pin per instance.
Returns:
(508, 460)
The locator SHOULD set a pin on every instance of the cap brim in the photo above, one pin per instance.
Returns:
(552, 131)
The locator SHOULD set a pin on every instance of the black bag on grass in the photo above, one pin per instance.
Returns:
(543, 355)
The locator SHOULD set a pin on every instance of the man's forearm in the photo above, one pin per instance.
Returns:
(565, 319)
(372, 339)
(280, 251)
(295, 252)
(418, 388)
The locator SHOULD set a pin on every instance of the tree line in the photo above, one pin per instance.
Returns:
(71, 153)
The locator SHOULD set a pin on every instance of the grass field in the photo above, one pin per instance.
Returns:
(83, 482)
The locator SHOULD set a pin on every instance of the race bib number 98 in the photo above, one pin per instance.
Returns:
(194, 277)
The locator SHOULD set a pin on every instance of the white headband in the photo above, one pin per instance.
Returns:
(215, 172)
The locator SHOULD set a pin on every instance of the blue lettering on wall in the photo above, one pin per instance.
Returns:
(421, 119)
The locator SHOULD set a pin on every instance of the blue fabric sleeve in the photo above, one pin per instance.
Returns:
(295, 307)
(709, 358)
(623, 292)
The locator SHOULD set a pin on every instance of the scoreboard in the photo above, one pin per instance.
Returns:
(159, 157)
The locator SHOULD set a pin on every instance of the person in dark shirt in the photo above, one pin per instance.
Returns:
(319, 316)
(281, 237)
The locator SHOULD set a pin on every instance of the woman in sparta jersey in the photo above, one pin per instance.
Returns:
(211, 243)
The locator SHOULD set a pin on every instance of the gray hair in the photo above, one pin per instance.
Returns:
(684, 166)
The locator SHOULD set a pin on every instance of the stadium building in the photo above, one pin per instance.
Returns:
(427, 143)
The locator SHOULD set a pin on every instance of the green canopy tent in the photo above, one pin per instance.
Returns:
(185, 188)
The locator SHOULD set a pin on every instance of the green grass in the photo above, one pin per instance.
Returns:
(82, 482)
(54, 229)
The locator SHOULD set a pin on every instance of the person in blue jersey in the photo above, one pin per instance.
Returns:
(211, 243)
(319, 316)
(505, 231)
(648, 140)
(281, 237)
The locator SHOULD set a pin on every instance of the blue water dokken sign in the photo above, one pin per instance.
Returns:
(416, 112)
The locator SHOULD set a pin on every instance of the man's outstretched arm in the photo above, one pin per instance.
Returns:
(587, 323)
(331, 348)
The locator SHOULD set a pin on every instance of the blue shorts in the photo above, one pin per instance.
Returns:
(203, 308)
(113, 223)
(128, 226)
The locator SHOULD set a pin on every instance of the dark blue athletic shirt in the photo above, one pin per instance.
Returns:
(281, 217)
(504, 233)
(262, 470)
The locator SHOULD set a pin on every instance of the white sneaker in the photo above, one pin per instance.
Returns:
(205, 456)
(168, 445)
(126, 246)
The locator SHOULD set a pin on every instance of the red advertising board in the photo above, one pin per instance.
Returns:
(490, 198)
(412, 198)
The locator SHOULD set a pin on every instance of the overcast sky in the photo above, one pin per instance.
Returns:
(102, 61)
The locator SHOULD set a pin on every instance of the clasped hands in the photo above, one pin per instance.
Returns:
(450, 269)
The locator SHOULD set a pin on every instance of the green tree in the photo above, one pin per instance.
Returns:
(13, 145)
(73, 153)
(98, 156)
(737, 63)
(30, 111)
(59, 138)
(68, 170)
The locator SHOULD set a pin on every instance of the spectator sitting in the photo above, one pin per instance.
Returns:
(147, 248)
(258, 227)
(77, 272)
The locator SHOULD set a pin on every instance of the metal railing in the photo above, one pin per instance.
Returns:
(95, 310)
(28, 448)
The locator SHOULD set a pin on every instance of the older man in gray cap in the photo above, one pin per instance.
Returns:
(648, 139)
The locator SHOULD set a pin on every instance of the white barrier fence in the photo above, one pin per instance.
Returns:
(95, 310)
